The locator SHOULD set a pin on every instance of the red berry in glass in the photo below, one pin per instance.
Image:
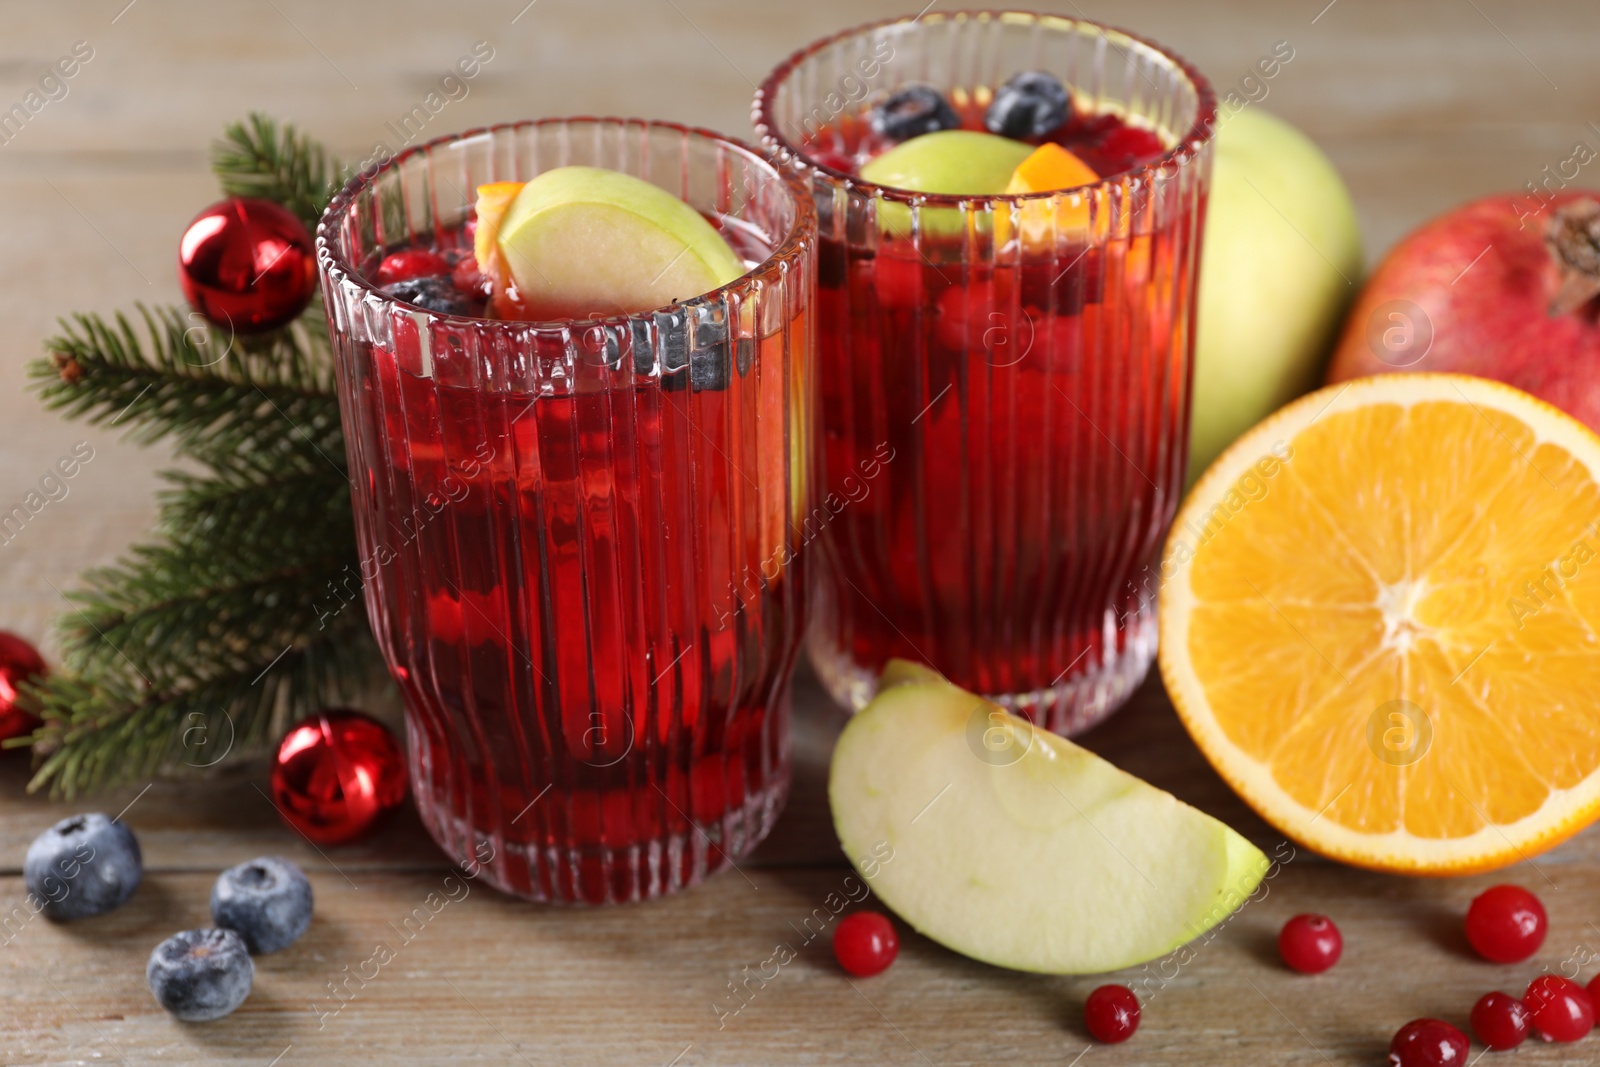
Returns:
(1428, 1043)
(1017, 412)
(1111, 1013)
(865, 943)
(410, 263)
(1310, 944)
(1559, 1008)
(1500, 1021)
(1506, 924)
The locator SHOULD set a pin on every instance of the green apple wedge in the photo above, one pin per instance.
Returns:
(584, 240)
(1016, 847)
(1281, 263)
(948, 163)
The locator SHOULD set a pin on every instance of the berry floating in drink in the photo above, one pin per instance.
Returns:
(912, 112)
(1029, 104)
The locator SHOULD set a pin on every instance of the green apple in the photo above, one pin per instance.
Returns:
(947, 162)
(951, 162)
(582, 240)
(904, 672)
(1014, 846)
(1281, 263)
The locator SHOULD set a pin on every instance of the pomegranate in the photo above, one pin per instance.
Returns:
(1491, 290)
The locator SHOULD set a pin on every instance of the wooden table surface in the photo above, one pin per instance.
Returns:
(1421, 105)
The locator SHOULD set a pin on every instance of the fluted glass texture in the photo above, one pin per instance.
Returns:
(580, 546)
(1004, 380)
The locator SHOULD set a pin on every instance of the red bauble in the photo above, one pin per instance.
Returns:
(19, 662)
(337, 774)
(247, 265)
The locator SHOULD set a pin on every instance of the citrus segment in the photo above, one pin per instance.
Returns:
(493, 200)
(1379, 621)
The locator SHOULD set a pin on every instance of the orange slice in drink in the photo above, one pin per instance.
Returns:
(1049, 169)
(1379, 613)
(493, 200)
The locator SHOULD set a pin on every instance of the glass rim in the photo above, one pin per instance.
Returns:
(1201, 131)
(334, 260)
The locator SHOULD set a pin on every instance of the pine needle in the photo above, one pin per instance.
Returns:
(259, 158)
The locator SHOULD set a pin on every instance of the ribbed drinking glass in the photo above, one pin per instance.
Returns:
(1004, 380)
(580, 539)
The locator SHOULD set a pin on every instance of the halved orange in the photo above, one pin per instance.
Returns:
(1379, 613)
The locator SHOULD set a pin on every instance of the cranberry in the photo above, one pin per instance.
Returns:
(1123, 148)
(1310, 943)
(467, 278)
(412, 263)
(1594, 991)
(1506, 924)
(979, 318)
(1501, 1022)
(836, 160)
(1559, 1008)
(1111, 1013)
(865, 944)
(897, 277)
(1428, 1043)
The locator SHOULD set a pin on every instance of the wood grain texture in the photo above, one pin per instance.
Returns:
(1421, 103)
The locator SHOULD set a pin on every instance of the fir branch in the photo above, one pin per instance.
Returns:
(112, 730)
(259, 158)
(244, 615)
(239, 503)
(173, 611)
(218, 397)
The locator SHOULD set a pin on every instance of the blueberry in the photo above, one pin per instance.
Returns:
(1031, 104)
(266, 901)
(200, 975)
(913, 111)
(434, 293)
(82, 866)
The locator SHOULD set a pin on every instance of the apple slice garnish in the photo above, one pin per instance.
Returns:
(948, 163)
(582, 241)
(1016, 847)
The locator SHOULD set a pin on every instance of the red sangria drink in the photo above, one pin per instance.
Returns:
(574, 377)
(1010, 210)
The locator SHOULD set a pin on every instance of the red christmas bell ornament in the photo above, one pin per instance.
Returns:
(19, 662)
(337, 774)
(247, 265)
